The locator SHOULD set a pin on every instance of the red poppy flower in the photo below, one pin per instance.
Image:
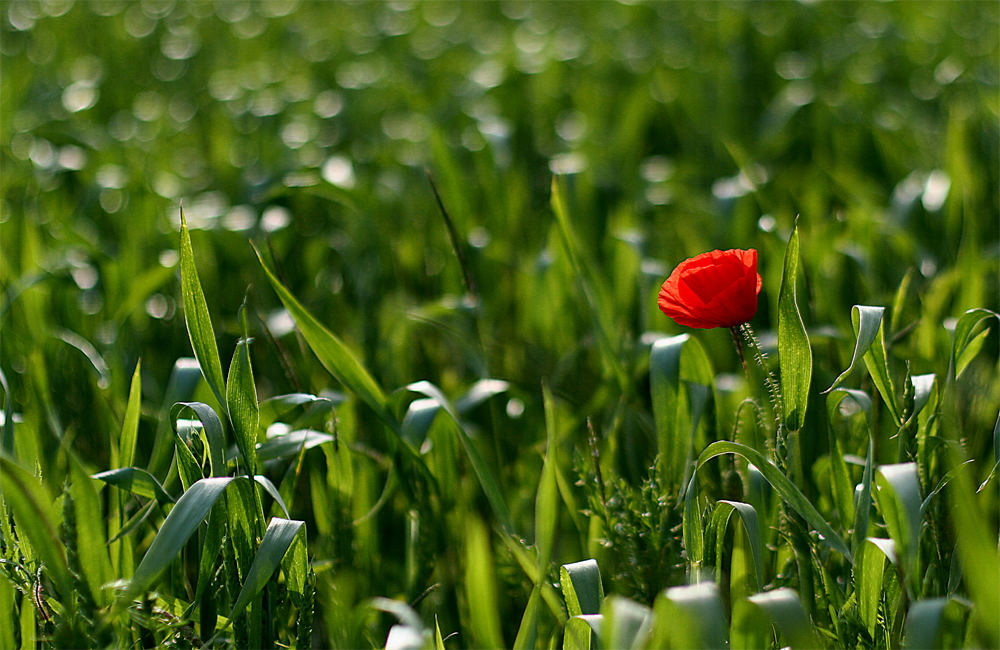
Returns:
(714, 289)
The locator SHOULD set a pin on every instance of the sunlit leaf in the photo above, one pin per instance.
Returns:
(277, 539)
(794, 353)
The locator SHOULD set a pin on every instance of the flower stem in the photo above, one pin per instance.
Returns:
(744, 334)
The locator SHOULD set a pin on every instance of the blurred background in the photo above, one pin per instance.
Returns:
(311, 127)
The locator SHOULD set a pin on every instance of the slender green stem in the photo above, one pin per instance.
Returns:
(744, 334)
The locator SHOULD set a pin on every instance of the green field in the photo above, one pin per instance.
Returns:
(334, 324)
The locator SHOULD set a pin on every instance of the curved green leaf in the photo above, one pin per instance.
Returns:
(751, 526)
(185, 517)
(784, 487)
(899, 500)
(581, 587)
(671, 409)
(627, 624)
(928, 620)
(291, 443)
(784, 610)
(965, 346)
(277, 539)
(213, 431)
(137, 481)
(690, 616)
(870, 346)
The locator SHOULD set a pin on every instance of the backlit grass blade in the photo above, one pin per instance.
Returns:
(130, 425)
(36, 519)
(547, 495)
(671, 407)
(868, 321)
(690, 616)
(241, 399)
(794, 353)
(335, 356)
(868, 573)
(479, 392)
(291, 443)
(751, 526)
(527, 631)
(862, 506)
(965, 346)
(784, 610)
(930, 620)
(94, 562)
(136, 481)
(627, 624)
(197, 319)
(899, 500)
(581, 587)
(870, 347)
(494, 495)
(185, 517)
(277, 539)
(785, 488)
(417, 422)
(214, 432)
(693, 531)
(582, 632)
(269, 487)
(480, 586)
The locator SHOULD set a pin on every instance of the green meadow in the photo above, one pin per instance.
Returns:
(335, 324)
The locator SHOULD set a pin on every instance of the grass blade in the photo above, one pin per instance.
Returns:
(671, 407)
(197, 318)
(899, 500)
(480, 585)
(213, 431)
(783, 608)
(91, 538)
(547, 495)
(794, 353)
(136, 481)
(494, 495)
(185, 517)
(35, 519)
(332, 352)
(965, 345)
(627, 624)
(691, 616)
(277, 539)
(130, 425)
(870, 346)
(241, 399)
(603, 327)
(751, 526)
(581, 587)
(785, 488)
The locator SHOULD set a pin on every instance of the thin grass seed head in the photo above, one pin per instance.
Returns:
(714, 289)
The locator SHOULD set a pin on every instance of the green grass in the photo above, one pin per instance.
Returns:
(396, 372)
